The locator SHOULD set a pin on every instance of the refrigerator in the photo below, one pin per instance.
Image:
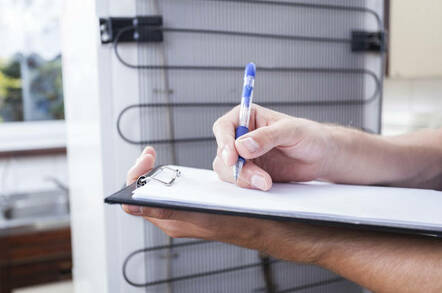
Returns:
(160, 72)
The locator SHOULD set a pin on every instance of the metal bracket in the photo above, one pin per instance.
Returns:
(142, 180)
(362, 41)
(131, 29)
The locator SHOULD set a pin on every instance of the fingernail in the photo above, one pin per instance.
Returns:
(225, 154)
(259, 182)
(134, 210)
(249, 143)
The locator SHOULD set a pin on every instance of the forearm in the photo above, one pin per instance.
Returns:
(380, 262)
(411, 160)
(386, 263)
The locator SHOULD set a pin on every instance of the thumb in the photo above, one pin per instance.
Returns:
(258, 142)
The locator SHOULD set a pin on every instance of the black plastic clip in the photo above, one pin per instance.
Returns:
(362, 41)
(131, 29)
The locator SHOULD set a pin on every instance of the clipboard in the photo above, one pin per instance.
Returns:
(165, 177)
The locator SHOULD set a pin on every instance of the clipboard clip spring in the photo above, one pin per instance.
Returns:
(142, 180)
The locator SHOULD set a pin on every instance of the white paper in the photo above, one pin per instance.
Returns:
(371, 205)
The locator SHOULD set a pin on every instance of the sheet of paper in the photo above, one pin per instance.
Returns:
(395, 207)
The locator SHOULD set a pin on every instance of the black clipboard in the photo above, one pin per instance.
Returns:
(124, 196)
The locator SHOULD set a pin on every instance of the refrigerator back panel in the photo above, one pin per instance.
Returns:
(305, 68)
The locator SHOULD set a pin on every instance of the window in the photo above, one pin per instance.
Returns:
(30, 61)
(31, 88)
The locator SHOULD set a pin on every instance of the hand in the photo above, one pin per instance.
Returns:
(290, 241)
(279, 148)
(390, 263)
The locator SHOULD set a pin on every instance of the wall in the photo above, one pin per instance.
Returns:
(416, 38)
(85, 161)
(413, 91)
(411, 104)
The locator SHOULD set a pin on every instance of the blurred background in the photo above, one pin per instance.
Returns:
(35, 223)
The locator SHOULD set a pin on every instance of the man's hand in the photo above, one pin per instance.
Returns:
(279, 148)
(290, 241)
(377, 261)
(282, 148)
(380, 262)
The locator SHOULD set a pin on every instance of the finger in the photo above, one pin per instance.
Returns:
(165, 214)
(133, 210)
(143, 165)
(228, 153)
(172, 228)
(149, 150)
(224, 131)
(186, 229)
(251, 176)
(283, 133)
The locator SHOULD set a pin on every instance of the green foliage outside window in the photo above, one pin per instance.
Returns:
(44, 89)
(10, 91)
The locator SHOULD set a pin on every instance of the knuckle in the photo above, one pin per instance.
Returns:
(219, 152)
(215, 164)
(219, 168)
(275, 134)
(215, 125)
(271, 136)
(146, 150)
(243, 183)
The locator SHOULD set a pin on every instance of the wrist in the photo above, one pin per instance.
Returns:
(334, 151)
(357, 157)
(417, 161)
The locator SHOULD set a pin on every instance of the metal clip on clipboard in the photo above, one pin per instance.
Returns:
(142, 180)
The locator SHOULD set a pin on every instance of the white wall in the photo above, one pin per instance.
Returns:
(411, 104)
(416, 38)
(85, 161)
(413, 93)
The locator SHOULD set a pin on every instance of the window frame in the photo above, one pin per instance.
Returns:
(32, 137)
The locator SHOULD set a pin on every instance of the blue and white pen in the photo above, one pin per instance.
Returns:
(244, 112)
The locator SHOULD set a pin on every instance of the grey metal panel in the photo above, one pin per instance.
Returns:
(198, 86)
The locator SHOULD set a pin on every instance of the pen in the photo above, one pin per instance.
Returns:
(244, 112)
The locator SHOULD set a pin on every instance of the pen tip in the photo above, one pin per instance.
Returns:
(235, 173)
(237, 169)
